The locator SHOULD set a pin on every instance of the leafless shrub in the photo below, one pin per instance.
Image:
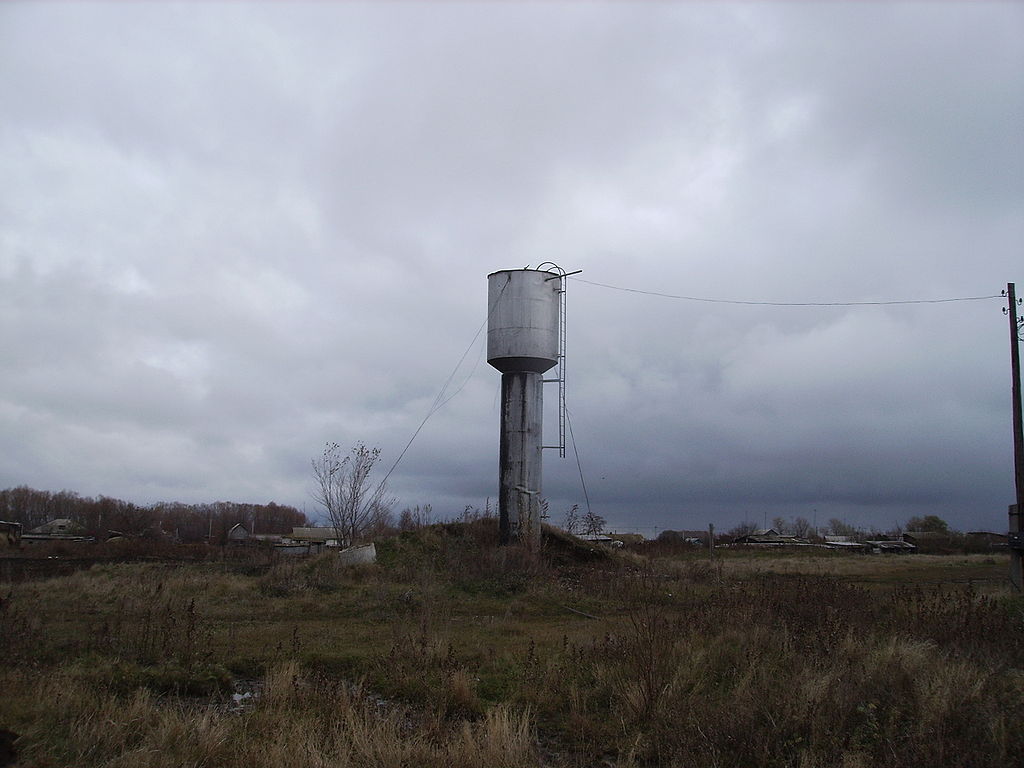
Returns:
(344, 490)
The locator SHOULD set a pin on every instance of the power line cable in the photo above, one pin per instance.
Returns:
(440, 401)
(479, 357)
(437, 405)
(579, 466)
(789, 303)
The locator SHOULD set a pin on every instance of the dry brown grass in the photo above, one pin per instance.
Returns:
(873, 568)
(468, 656)
(299, 721)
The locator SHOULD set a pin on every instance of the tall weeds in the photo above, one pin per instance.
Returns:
(453, 652)
(793, 671)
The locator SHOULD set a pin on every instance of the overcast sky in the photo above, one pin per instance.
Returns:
(232, 232)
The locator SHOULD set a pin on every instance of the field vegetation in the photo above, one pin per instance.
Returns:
(451, 651)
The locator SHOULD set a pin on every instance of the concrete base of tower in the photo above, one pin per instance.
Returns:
(519, 457)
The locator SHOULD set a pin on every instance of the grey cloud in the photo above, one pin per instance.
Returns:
(232, 232)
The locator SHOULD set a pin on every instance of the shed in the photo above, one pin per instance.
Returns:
(771, 538)
(10, 535)
(238, 534)
(843, 542)
(61, 526)
(887, 546)
(324, 535)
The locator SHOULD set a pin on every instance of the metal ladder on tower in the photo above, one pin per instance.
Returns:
(561, 368)
(562, 274)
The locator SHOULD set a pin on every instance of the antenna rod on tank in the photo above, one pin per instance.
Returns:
(566, 274)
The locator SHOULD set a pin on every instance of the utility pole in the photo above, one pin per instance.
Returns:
(1016, 529)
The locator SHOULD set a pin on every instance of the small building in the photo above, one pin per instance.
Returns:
(59, 530)
(325, 536)
(844, 542)
(890, 547)
(238, 534)
(10, 535)
(62, 526)
(770, 538)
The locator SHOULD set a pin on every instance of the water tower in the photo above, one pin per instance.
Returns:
(525, 339)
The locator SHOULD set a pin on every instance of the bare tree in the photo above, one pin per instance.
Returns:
(344, 490)
(743, 529)
(571, 522)
(593, 523)
(843, 528)
(801, 527)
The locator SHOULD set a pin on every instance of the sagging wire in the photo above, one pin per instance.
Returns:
(440, 401)
(789, 303)
(579, 466)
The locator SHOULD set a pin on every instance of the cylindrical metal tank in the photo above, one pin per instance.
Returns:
(522, 320)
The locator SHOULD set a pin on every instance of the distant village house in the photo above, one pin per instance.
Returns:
(10, 535)
(62, 529)
(770, 538)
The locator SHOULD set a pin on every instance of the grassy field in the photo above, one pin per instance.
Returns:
(454, 652)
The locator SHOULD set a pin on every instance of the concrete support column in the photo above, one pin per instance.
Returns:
(519, 462)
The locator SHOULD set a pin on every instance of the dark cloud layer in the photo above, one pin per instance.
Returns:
(231, 232)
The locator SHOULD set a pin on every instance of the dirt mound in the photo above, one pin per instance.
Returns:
(563, 548)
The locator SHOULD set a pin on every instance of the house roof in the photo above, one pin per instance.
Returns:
(934, 535)
(768, 538)
(59, 525)
(888, 544)
(314, 534)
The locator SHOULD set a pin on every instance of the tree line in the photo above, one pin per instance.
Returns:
(802, 528)
(103, 516)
